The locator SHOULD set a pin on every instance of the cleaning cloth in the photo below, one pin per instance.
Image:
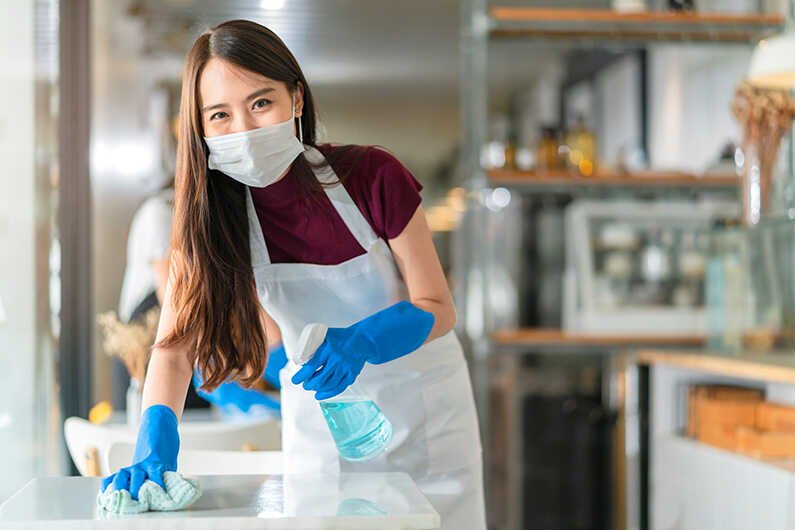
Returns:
(180, 493)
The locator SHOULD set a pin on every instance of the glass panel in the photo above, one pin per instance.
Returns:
(750, 289)
(30, 423)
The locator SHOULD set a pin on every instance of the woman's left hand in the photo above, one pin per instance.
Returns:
(336, 363)
(384, 336)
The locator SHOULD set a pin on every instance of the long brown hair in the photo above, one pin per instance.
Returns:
(213, 291)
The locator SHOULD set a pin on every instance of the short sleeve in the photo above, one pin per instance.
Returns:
(388, 192)
(150, 232)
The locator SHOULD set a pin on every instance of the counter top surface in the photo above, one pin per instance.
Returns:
(774, 366)
(348, 500)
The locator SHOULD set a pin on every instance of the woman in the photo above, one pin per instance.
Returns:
(274, 232)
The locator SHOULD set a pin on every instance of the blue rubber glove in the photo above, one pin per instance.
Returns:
(232, 399)
(382, 337)
(277, 359)
(155, 452)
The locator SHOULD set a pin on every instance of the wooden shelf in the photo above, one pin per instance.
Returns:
(641, 26)
(646, 17)
(765, 367)
(528, 337)
(645, 179)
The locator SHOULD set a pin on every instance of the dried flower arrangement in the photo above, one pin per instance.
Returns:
(766, 116)
(132, 343)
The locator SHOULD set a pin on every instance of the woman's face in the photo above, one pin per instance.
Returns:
(233, 99)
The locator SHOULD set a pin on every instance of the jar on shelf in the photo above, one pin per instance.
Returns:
(547, 149)
(510, 152)
(581, 152)
(134, 399)
(726, 289)
(629, 5)
(493, 154)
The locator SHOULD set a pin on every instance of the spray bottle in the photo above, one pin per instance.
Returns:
(359, 428)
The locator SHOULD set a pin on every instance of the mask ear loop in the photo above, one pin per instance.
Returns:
(300, 128)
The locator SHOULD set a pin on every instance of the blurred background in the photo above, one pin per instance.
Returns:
(611, 192)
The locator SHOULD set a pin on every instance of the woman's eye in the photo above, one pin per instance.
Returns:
(218, 115)
(260, 103)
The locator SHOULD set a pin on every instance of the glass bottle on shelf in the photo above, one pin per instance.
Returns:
(493, 153)
(725, 289)
(547, 156)
(581, 145)
(510, 152)
(764, 256)
(681, 5)
(629, 5)
(655, 260)
(691, 272)
(654, 267)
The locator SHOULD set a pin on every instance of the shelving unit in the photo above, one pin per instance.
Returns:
(482, 24)
(690, 482)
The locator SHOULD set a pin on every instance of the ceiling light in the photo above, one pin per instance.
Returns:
(271, 4)
(773, 61)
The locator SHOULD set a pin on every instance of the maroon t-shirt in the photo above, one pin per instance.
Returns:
(297, 230)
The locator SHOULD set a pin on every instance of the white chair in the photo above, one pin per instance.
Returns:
(89, 443)
(206, 462)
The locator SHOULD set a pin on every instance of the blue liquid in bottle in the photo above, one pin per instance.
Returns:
(359, 428)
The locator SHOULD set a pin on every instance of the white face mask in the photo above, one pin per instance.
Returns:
(257, 157)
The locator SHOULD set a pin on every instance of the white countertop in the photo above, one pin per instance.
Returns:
(387, 501)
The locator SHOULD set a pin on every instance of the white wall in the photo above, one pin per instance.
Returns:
(690, 90)
(420, 133)
(690, 94)
(618, 98)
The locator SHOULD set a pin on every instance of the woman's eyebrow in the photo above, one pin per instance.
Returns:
(216, 106)
(251, 96)
(260, 92)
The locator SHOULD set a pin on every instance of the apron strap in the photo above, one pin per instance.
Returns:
(341, 200)
(259, 250)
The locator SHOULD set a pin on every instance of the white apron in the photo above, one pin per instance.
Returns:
(426, 395)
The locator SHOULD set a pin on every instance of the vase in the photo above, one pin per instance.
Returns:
(755, 185)
(134, 398)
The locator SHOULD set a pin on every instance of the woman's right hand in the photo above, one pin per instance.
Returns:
(155, 452)
(232, 399)
(277, 360)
